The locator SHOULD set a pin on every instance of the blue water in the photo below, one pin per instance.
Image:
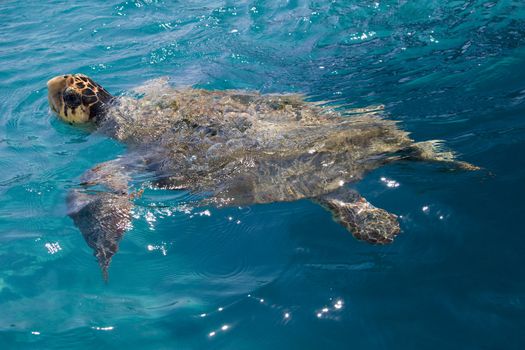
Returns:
(259, 277)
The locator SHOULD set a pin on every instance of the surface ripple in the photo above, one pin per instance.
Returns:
(282, 275)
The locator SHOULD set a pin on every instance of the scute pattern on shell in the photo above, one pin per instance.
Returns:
(247, 147)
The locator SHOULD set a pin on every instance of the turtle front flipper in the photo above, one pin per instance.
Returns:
(362, 219)
(101, 208)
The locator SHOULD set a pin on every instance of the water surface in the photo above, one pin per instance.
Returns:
(281, 275)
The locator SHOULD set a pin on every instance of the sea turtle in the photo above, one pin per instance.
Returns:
(231, 148)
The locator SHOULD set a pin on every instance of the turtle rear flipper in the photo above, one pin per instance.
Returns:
(434, 151)
(362, 219)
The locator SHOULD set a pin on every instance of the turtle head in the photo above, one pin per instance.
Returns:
(76, 98)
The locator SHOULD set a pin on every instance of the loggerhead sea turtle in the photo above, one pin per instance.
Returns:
(231, 148)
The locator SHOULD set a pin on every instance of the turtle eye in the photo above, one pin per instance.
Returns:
(71, 98)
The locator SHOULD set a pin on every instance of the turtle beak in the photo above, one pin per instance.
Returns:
(56, 83)
(55, 87)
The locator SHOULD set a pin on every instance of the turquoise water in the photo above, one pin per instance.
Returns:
(259, 277)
